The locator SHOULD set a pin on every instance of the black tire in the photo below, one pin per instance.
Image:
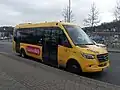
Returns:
(22, 53)
(73, 67)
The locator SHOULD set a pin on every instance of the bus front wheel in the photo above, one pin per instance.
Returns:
(73, 67)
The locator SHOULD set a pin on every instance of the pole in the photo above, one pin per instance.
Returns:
(69, 10)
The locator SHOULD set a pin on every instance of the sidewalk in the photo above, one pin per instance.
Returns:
(42, 77)
(113, 50)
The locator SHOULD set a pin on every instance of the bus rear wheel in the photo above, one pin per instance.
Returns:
(22, 53)
(73, 67)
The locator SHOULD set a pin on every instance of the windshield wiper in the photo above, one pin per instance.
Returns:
(90, 44)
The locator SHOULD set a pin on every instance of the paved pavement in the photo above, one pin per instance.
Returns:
(15, 74)
(5, 47)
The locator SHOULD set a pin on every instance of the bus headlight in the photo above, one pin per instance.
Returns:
(88, 56)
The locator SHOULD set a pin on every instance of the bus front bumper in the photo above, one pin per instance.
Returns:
(97, 68)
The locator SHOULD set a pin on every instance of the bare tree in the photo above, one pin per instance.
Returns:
(68, 15)
(117, 11)
(93, 17)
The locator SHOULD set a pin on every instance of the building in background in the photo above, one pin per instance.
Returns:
(6, 32)
(106, 33)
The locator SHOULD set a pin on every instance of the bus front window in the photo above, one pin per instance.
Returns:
(78, 36)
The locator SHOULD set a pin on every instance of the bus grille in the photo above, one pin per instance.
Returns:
(102, 57)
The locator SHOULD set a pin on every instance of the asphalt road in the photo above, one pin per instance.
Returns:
(110, 75)
(5, 46)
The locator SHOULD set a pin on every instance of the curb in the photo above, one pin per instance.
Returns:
(99, 85)
(113, 51)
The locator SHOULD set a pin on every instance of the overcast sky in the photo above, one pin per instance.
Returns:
(13, 12)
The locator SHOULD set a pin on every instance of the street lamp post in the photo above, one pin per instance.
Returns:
(4, 32)
(69, 10)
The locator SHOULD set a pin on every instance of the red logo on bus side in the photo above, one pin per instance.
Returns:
(33, 50)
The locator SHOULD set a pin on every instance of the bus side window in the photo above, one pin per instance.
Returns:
(39, 36)
(63, 39)
(17, 36)
(14, 35)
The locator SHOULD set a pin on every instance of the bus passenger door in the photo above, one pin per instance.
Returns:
(45, 46)
(50, 47)
(54, 47)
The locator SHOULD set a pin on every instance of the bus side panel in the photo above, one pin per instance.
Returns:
(32, 50)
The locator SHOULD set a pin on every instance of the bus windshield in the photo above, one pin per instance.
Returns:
(78, 36)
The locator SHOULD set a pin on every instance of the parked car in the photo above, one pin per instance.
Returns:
(1, 38)
(100, 45)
